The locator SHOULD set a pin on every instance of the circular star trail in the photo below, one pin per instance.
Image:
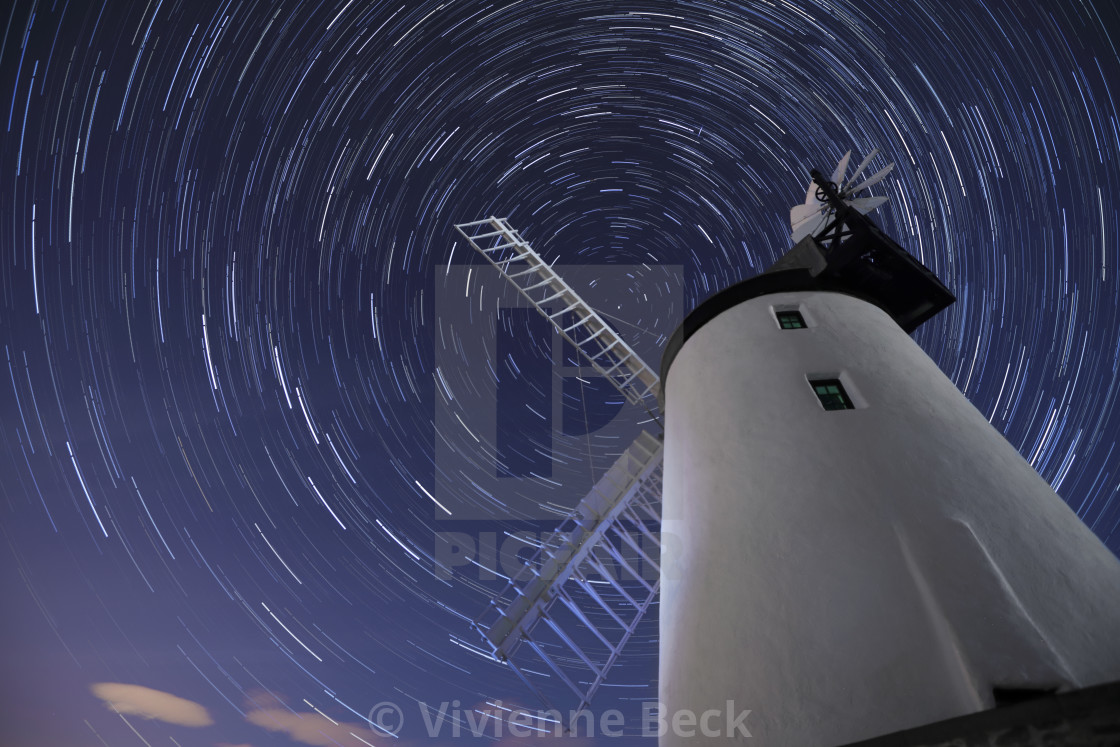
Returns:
(228, 244)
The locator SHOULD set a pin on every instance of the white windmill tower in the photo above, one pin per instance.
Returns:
(855, 549)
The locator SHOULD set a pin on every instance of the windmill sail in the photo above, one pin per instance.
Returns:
(871, 181)
(838, 174)
(863, 165)
(581, 598)
(608, 354)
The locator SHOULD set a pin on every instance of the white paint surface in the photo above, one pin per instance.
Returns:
(849, 574)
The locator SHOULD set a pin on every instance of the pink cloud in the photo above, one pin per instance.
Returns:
(137, 700)
(313, 728)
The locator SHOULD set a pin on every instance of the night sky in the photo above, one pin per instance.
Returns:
(247, 358)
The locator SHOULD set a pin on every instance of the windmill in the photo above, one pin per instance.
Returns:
(626, 501)
(856, 544)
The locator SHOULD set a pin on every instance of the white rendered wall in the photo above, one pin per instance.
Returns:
(852, 573)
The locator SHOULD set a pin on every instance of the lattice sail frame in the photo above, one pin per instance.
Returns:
(585, 545)
(608, 354)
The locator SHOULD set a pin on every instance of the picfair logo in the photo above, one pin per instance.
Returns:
(523, 426)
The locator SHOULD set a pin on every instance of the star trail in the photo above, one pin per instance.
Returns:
(228, 255)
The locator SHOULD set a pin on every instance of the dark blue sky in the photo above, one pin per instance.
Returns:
(240, 371)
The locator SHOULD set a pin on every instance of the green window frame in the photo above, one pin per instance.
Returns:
(790, 319)
(831, 394)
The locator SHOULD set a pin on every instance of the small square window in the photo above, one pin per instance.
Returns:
(831, 394)
(790, 320)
